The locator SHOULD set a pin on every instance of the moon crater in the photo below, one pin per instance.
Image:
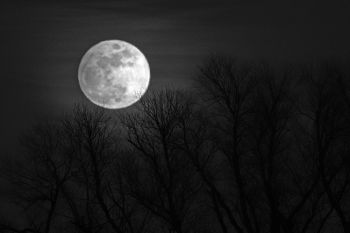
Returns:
(114, 74)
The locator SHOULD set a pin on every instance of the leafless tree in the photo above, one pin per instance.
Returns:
(70, 178)
(98, 156)
(228, 87)
(255, 120)
(163, 181)
(252, 149)
(279, 162)
(39, 178)
(329, 114)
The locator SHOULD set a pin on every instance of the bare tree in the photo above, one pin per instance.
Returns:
(39, 178)
(279, 164)
(164, 182)
(228, 87)
(254, 121)
(252, 149)
(70, 178)
(329, 133)
(271, 119)
(98, 156)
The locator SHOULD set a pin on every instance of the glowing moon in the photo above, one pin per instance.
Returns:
(114, 74)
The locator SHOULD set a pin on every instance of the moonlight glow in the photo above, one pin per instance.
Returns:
(114, 74)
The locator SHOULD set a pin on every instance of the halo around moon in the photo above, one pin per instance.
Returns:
(114, 74)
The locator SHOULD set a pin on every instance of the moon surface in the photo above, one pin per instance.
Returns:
(114, 74)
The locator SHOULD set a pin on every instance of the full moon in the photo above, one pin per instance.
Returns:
(114, 74)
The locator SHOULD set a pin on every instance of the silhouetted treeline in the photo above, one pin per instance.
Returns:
(249, 149)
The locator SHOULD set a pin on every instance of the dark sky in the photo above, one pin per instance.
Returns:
(44, 41)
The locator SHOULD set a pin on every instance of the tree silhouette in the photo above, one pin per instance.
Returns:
(69, 177)
(250, 149)
(228, 86)
(165, 184)
(40, 178)
(329, 134)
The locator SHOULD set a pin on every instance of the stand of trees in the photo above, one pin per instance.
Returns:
(250, 150)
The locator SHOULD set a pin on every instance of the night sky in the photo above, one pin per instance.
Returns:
(45, 40)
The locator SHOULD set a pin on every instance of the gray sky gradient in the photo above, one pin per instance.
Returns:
(45, 40)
